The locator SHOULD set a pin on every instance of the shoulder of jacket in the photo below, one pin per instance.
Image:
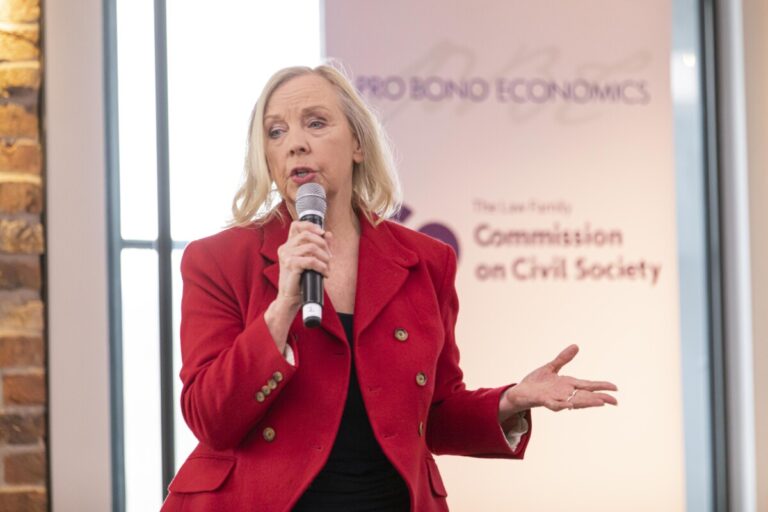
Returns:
(429, 249)
(229, 242)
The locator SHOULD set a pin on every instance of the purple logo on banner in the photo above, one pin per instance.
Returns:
(433, 229)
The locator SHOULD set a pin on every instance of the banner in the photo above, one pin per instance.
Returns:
(536, 137)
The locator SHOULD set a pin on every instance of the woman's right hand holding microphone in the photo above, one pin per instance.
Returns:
(307, 248)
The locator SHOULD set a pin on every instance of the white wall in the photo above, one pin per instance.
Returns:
(756, 71)
(76, 257)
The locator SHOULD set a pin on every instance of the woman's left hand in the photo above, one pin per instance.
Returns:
(544, 387)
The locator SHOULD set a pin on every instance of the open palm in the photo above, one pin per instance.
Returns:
(545, 387)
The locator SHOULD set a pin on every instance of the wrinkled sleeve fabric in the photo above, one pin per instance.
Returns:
(462, 421)
(515, 433)
(226, 366)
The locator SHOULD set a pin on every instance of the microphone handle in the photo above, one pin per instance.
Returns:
(312, 287)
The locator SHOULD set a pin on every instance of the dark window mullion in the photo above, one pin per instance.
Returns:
(720, 487)
(114, 254)
(164, 248)
(151, 244)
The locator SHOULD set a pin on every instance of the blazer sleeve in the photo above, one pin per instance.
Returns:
(462, 421)
(227, 366)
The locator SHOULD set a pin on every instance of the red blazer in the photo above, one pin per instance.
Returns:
(266, 427)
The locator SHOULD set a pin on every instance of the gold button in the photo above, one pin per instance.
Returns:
(272, 383)
(401, 334)
(421, 428)
(421, 379)
(269, 434)
(266, 390)
(278, 376)
(259, 396)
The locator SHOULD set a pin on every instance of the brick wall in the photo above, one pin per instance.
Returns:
(23, 460)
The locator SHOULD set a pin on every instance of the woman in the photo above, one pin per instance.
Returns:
(345, 416)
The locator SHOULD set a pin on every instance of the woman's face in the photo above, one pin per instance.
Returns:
(308, 139)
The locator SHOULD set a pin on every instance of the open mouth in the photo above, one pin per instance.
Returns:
(301, 172)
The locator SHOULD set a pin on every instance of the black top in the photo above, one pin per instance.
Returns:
(357, 477)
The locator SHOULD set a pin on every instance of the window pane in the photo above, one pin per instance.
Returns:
(141, 380)
(136, 119)
(218, 60)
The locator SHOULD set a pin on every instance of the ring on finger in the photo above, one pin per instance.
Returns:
(573, 394)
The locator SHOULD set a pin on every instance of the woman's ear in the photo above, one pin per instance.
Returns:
(357, 154)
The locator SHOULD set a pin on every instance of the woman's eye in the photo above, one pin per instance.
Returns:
(274, 133)
(316, 123)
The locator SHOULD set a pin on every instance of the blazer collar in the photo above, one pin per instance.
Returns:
(383, 266)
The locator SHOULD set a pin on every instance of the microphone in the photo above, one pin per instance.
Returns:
(310, 206)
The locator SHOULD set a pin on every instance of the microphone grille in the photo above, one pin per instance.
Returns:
(310, 198)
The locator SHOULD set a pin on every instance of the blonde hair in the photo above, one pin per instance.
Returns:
(375, 185)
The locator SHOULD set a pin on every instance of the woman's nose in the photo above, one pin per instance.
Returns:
(298, 144)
